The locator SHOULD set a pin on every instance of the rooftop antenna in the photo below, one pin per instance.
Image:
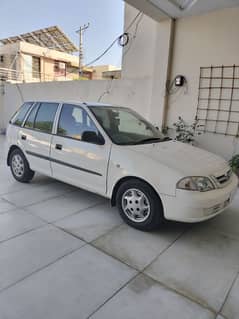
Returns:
(81, 53)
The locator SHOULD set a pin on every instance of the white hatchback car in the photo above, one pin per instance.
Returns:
(114, 152)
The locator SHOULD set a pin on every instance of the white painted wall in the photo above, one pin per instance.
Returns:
(1, 108)
(134, 93)
(139, 55)
(206, 40)
(210, 39)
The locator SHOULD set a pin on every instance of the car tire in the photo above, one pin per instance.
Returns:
(139, 205)
(20, 167)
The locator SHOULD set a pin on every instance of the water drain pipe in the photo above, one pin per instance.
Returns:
(169, 72)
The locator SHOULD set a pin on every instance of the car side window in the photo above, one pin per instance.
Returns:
(29, 123)
(20, 115)
(45, 117)
(74, 121)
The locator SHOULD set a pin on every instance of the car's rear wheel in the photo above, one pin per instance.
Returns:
(139, 205)
(20, 167)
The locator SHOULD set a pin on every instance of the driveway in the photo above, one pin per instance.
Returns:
(65, 253)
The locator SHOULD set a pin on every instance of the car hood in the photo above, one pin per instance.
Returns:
(184, 158)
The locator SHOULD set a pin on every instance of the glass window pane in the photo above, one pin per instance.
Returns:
(45, 117)
(31, 117)
(19, 116)
(36, 67)
(74, 121)
(125, 126)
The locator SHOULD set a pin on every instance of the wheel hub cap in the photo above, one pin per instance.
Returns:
(18, 165)
(136, 205)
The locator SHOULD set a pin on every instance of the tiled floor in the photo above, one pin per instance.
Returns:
(65, 254)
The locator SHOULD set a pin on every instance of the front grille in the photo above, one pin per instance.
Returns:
(224, 178)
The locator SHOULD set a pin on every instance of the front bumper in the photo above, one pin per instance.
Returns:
(192, 207)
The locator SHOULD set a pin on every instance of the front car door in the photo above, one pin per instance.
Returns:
(74, 161)
(36, 134)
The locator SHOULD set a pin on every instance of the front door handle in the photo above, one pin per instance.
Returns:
(24, 137)
(58, 147)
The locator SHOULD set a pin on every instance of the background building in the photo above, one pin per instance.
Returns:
(46, 55)
(42, 55)
(101, 72)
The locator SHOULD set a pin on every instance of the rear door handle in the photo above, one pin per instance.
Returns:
(24, 137)
(58, 147)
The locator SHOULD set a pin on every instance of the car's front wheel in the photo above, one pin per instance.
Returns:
(139, 205)
(20, 167)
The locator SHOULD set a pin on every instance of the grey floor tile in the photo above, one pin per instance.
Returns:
(60, 207)
(144, 298)
(202, 265)
(5, 206)
(71, 288)
(92, 222)
(21, 256)
(16, 222)
(137, 248)
(9, 185)
(231, 307)
(31, 195)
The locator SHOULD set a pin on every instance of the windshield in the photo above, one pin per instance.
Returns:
(126, 127)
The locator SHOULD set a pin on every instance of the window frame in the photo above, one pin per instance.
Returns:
(36, 74)
(53, 123)
(88, 114)
(18, 110)
(37, 104)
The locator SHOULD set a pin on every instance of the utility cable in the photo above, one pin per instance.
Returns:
(134, 35)
(115, 41)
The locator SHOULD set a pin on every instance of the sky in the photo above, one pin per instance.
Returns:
(106, 19)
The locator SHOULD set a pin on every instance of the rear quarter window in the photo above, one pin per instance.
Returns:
(20, 115)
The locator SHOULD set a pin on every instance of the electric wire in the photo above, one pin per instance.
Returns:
(134, 35)
(115, 41)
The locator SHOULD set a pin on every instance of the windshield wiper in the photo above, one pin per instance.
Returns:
(166, 138)
(148, 140)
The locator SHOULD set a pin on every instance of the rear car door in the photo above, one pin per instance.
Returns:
(36, 134)
(80, 163)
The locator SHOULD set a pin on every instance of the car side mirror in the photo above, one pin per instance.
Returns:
(92, 137)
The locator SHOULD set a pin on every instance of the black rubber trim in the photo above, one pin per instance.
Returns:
(38, 155)
(63, 163)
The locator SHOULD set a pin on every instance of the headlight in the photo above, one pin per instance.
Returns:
(196, 183)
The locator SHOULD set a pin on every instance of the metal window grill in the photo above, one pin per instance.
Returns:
(218, 100)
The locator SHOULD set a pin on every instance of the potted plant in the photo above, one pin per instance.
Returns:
(186, 133)
(234, 163)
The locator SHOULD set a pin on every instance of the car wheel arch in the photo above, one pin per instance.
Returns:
(12, 148)
(124, 179)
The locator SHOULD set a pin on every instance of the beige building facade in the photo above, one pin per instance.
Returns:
(26, 62)
(101, 72)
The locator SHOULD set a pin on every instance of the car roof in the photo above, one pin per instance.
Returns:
(82, 104)
(97, 104)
